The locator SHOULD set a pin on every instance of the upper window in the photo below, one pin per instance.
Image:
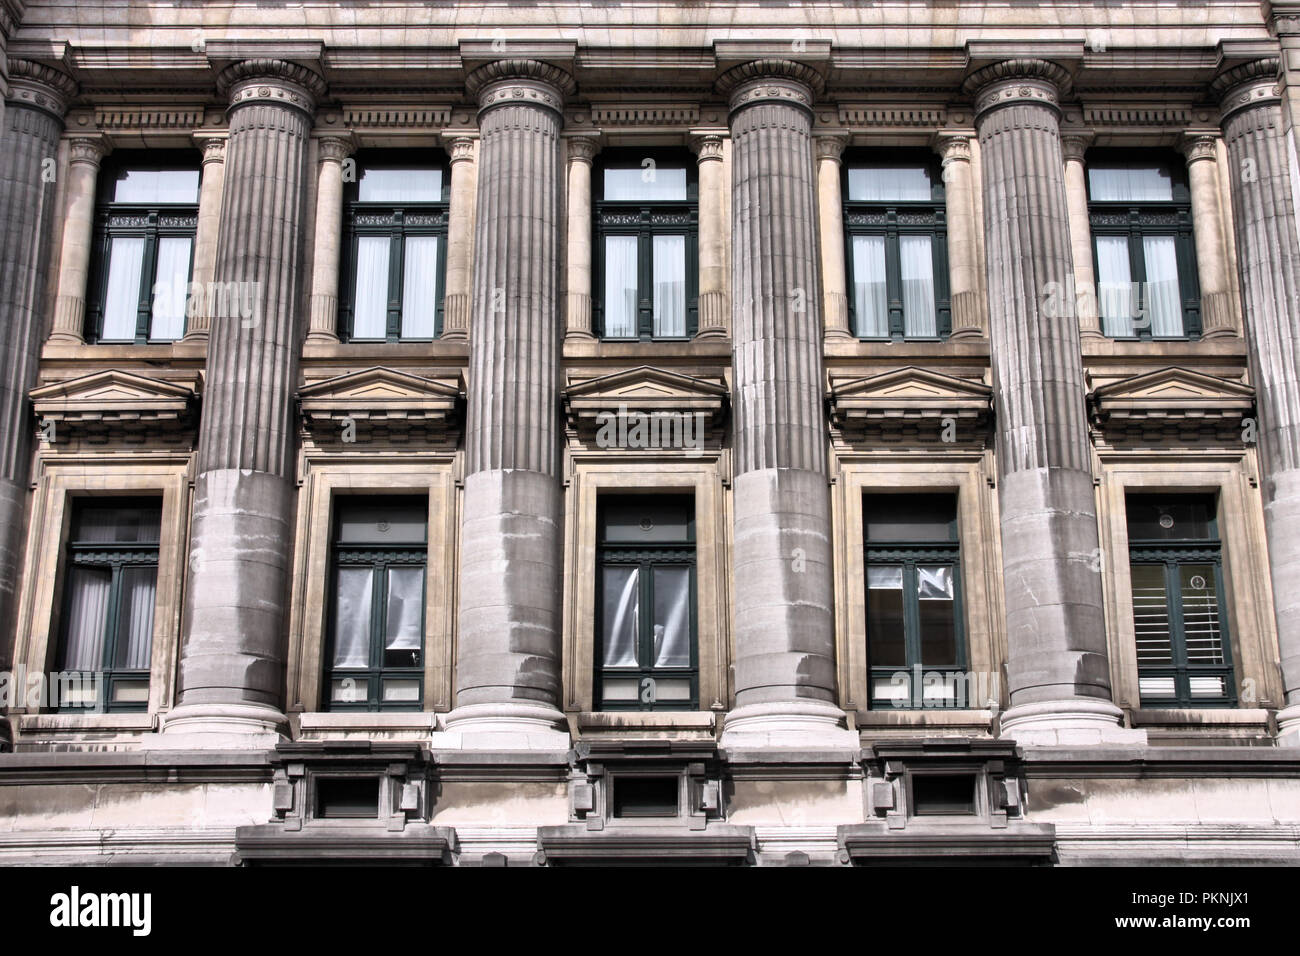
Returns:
(647, 217)
(396, 241)
(897, 247)
(109, 598)
(1179, 618)
(376, 645)
(144, 248)
(1140, 212)
(646, 627)
(915, 643)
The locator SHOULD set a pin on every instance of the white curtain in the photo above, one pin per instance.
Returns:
(420, 287)
(917, 267)
(123, 295)
(650, 183)
(1164, 302)
(152, 187)
(871, 313)
(889, 183)
(1114, 285)
(400, 185)
(620, 589)
(87, 614)
(670, 285)
(620, 286)
(135, 618)
(352, 617)
(885, 577)
(405, 609)
(167, 323)
(672, 617)
(370, 298)
(1129, 184)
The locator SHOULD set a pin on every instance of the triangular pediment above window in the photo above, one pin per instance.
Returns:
(644, 389)
(116, 401)
(382, 401)
(1171, 404)
(911, 402)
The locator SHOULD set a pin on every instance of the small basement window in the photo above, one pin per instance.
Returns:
(354, 798)
(943, 794)
(646, 796)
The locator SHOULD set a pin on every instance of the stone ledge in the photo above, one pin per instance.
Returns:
(606, 722)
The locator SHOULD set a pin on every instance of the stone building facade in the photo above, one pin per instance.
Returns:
(547, 433)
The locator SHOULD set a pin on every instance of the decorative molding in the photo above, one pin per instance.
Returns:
(382, 403)
(148, 117)
(335, 147)
(89, 149)
(40, 86)
(647, 390)
(1198, 146)
(1019, 80)
(1138, 114)
(271, 81)
(645, 114)
(583, 147)
(867, 114)
(830, 146)
(117, 404)
(380, 117)
(1256, 83)
(707, 146)
(1075, 143)
(953, 146)
(459, 146)
(910, 405)
(487, 76)
(1170, 406)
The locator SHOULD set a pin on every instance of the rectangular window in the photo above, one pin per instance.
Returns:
(646, 246)
(1139, 209)
(647, 655)
(376, 643)
(396, 243)
(1180, 619)
(894, 218)
(110, 595)
(143, 248)
(915, 645)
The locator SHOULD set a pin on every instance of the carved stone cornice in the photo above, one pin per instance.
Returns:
(1249, 85)
(1020, 80)
(268, 80)
(40, 86)
(522, 81)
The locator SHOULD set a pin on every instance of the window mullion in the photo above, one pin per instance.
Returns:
(911, 615)
(1177, 633)
(645, 277)
(894, 276)
(394, 331)
(110, 624)
(148, 268)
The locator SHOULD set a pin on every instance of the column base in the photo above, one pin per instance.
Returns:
(713, 333)
(505, 726)
(967, 334)
(1288, 726)
(454, 335)
(581, 335)
(785, 725)
(1069, 723)
(219, 727)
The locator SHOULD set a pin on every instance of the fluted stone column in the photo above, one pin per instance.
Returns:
(32, 121)
(1081, 297)
(830, 219)
(1217, 318)
(963, 253)
(1057, 666)
(1268, 250)
(508, 647)
(85, 154)
(460, 236)
(231, 667)
(198, 320)
(331, 150)
(582, 150)
(714, 308)
(785, 654)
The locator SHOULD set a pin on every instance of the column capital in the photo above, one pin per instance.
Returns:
(953, 145)
(89, 148)
(1199, 145)
(583, 147)
(706, 144)
(771, 80)
(213, 145)
(1286, 18)
(1021, 80)
(40, 87)
(1249, 85)
(459, 145)
(520, 81)
(830, 144)
(335, 147)
(1074, 143)
(270, 81)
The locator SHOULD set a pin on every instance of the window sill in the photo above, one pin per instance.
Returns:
(649, 723)
(368, 725)
(64, 731)
(1244, 718)
(873, 723)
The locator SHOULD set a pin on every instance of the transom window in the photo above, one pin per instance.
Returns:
(1139, 207)
(646, 619)
(376, 644)
(1180, 619)
(396, 241)
(897, 247)
(915, 643)
(143, 248)
(109, 600)
(646, 269)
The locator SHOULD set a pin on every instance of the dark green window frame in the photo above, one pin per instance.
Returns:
(1172, 218)
(893, 219)
(645, 220)
(647, 557)
(114, 220)
(397, 221)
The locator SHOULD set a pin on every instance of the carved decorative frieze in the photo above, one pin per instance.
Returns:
(115, 405)
(1170, 406)
(657, 395)
(912, 406)
(380, 404)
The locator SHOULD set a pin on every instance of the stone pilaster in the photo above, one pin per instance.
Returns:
(1057, 666)
(32, 121)
(963, 251)
(1081, 297)
(785, 655)
(461, 148)
(198, 320)
(508, 648)
(331, 150)
(582, 150)
(85, 154)
(1217, 314)
(715, 312)
(231, 667)
(1268, 249)
(829, 149)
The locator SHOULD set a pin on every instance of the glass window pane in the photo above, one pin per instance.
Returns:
(1207, 688)
(885, 646)
(657, 520)
(122, 297)
(672, 689)
(1115, 297)
(130, 691)
(620, 689)
(370, 292)
(349, 690)
(126, 523)
(648, 183)
(672, 620)
(1164, 302)
(870, 310)
(420, 287)
(83, 648)
(918, 286)
(171, 283)
(910, 518)
(1170, 517)
(670, 285)
(1156, 687)
(889, 184)
(1201, 614)
(402, 690)
(352, 605)
(620, 286)
(620, 623)
(404, 624)
(1151, 615)
(377, 522)
(135, 618)
(1135, 183)
(936, 612)
(156, 186)
(400, 185)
